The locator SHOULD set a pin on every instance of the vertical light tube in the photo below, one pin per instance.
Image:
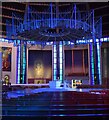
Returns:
(61, 60)
(91, 64)
(54, 61)
(92, 49)
(99, 62)
(18, 62)
(24, 62)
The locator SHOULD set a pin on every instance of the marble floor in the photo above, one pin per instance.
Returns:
(27, 91)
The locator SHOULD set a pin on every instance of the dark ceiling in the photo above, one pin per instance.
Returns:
(101, 9)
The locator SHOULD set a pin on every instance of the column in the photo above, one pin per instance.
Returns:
(91, 64)
(96, 73)
(58, 61)
(21, 62)
(54, 61)
(61, 61)
(94, 59)
(95, 64)
(99, 64)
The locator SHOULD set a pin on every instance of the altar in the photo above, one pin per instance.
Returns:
(55, 84)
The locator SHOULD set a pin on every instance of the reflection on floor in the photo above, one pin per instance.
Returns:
(56, 104)
(28, 91)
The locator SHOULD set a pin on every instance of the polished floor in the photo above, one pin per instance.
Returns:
(56, 104)
(40, 89)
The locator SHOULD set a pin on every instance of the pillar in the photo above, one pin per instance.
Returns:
(96, 70)
(58, 61)
(94, 58)
(91, 64)
(21, 62)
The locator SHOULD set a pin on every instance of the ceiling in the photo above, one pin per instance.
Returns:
(100, 8)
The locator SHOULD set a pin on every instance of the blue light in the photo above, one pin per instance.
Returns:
(68, 42)
(54, 74)
(77, 41)
(72, 43)
(51, 43)
(61, 66)
(54, 48)
(18, 65)
(61, 77)
(105, 39)
(54, 60)
(54, 55)
(97, 40)
(47, 43)
(61, 115)
(54, 77)
(92, 64)
(80, 41)
(60, 50)
(91, 40)
(3, 39)
(85, 41)
(101, 39)
(54, 66)
(99, 60)
(61, 58)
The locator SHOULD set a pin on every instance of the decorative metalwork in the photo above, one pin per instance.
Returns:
(51, 26)
(44, 27)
